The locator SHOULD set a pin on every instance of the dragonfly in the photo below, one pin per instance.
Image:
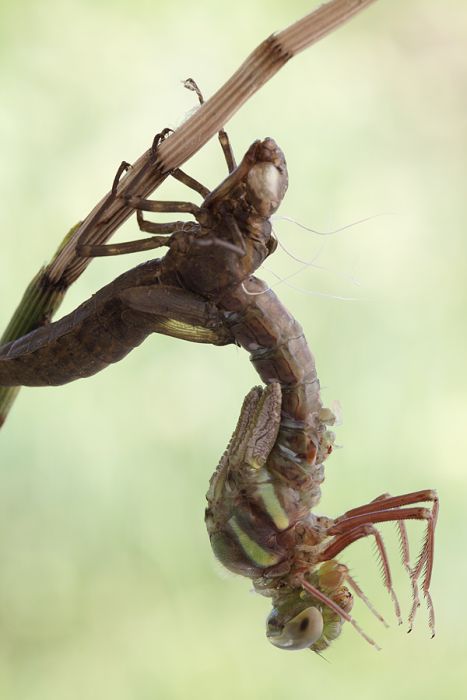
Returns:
(262, 495)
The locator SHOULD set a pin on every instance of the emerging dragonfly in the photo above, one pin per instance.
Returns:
(260, 498)
(259, 511)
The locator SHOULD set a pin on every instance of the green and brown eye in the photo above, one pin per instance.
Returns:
(300, 632)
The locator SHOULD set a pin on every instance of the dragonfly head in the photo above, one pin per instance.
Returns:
(297, 621)
(298, 627)
(260, 180)
(267, 179)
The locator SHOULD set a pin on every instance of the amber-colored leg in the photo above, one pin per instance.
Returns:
(341, 542)
(319, 595)
(383, 502)
(405, 557)
(390, 508)
(356, 589)
(391, 504)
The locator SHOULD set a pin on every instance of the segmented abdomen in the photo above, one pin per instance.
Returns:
(99, 332)
(279, 351)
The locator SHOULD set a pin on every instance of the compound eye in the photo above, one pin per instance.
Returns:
(300, 632)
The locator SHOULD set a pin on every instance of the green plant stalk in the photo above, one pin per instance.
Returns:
(40, 302)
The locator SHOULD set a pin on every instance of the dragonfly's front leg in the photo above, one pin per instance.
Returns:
(157, 241)
(224, 141)
(359, 522)
(91, 250)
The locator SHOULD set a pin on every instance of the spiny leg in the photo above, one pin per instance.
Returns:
(426, 561)
(190, 84)
(356, 588)
(387, 510)
(380, 503)
(345, 524)
(405, 557)
(392, 502)
(343, 541)
(323, 598)
(403, 537)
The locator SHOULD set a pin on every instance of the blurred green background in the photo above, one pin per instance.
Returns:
(108, 588)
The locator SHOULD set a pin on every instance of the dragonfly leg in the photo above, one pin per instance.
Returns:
(405, 553)
(390, 508)
(391, 504)
(224, 141)
(404, 540)
(356, 589)
(164, 207)
(168, 227)
(141, 204)
(319, 595)
(190, 182)
(157, 241)
(341, 542)
(97, 251)
(122, 168)
(344, 525)
(227, 149)
(177, 173)
(386, 502)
